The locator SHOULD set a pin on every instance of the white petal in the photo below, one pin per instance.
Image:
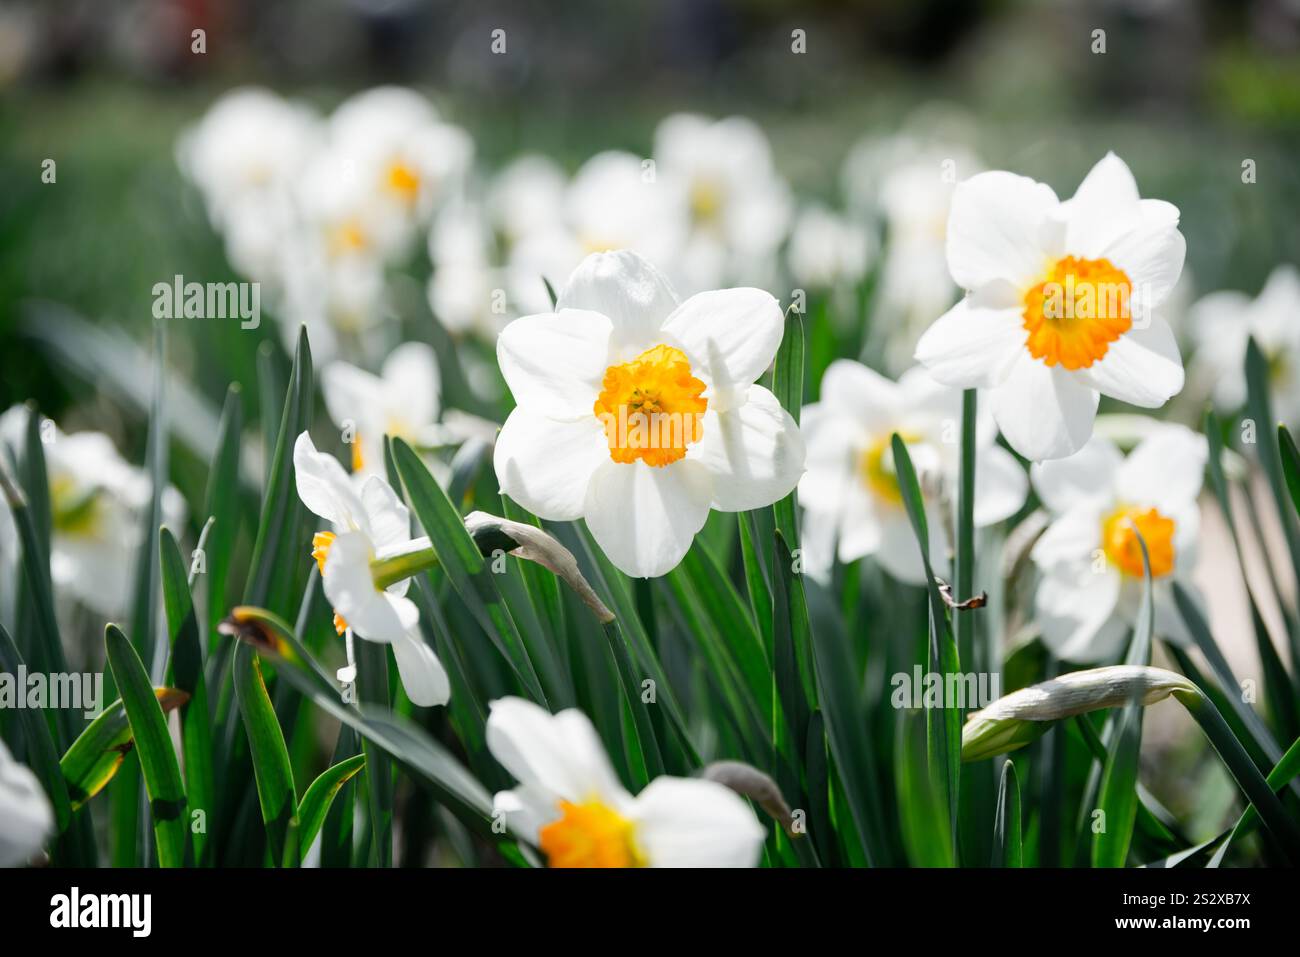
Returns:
(1166, 467)
(1142, 367)
(685, 822)
(545, 465)
(351, 395)
(851, 389)
(1151, 253)
(899, 553)
(1075, 608)
(554, 363)
(731, 337)
(25, 814)
(1072, 537)
(1104, 207)
(861, 526)
(644, 518)
(412, 383)
(1088, 473)
(976, 342)
(834, 449)
(324, 487)
(995, 229)
(422, 674)
(631, 292)
(557, 754)
(1044, 412)
(1000, 485)
(754, 451)
(388, 521)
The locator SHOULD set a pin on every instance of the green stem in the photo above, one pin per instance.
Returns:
(964, 583)
(390, 571)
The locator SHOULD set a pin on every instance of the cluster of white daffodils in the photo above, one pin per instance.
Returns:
(639, 414)
(1059, 305)
(852, 502)
(1103, 507)
(97, 504)
(570, 804)
(707, 207)
(318, 209)
(1223, 322)
(369, 524)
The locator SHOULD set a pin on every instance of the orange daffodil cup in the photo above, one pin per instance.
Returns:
(1059, 303)
(639, 414)
(570, 804)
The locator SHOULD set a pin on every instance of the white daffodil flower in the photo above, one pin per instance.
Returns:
(737, 204)
(1222, 322)
(402, 402)
(98, 503)
(618, 201)
(853, 506)
(26, 818)
(400, 150)
(571, 805)
(828, 251)
(370, 524)
(1060, 303)
(640, 414)
(1090, 559)
(526, 197)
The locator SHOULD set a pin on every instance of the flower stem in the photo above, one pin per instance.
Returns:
(395, 568)
(964, 623)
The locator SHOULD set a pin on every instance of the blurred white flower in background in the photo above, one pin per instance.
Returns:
(25, 814)
(1060, 304)
(98, 503)
(738, 207)
(639, 414)
(853, 506)
(526, 197)
(572, 806)
(369, 522)
(828, 250)
(463, 288)
(903, 185)
(1090, 559)
(1221, 324)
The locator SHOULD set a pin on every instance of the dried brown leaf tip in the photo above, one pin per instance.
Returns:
(244, 626)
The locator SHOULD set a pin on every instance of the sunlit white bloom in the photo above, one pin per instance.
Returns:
(1060, 304)
(853, 506)
(904, 185)
(617, 201)
(527, 196)
(827, 250)
(1222, 322)
(400, 150)
(639, 414)
(463, 290)
(402, 402)
(25, 814)
(247, 150)
(737, 204)
(1090, 558)
(369, 524)
(572, 806)
(98, 510)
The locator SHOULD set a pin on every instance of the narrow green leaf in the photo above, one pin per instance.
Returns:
(98, 752)
(271, 767)
(319, 796)
(153, 746)
(1290, 464)
(185, 671)
(221, 505)
(465, 566)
